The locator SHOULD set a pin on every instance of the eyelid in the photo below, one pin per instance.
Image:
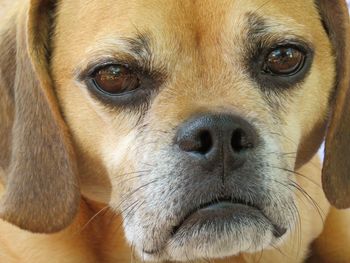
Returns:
(268, 40)
(94, 66)
(300, 45)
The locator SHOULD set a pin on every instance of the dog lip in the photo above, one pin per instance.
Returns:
(208, 205)
(224, 207)
(279, 231)
(151, 252)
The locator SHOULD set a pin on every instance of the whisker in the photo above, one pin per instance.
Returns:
(130, 210)
(309, 198)
(284, 136)
(297, 173)
(280, 251)
(92, 218)
(131, 173)
(262, 6)
(296, 215)
(132, 252)
(293, 155)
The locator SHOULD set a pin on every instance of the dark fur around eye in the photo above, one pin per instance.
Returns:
(272, 81)
(261, 41)
(148, 83)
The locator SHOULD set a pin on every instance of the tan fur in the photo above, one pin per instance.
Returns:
(47, 117)
(336, 167)
(42, 133)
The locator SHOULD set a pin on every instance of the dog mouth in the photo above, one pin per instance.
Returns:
(222, 209)
(218, 217)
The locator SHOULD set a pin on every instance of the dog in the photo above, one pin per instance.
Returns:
(174, 131)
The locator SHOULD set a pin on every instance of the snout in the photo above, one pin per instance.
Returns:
(217, 140)
(211, 181)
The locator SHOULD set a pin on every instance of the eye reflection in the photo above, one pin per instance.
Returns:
(284, 61)
(115, 79)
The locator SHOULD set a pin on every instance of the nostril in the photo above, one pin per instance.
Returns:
(206, 142)
(200, 142)
(240, 141)
(215, 137)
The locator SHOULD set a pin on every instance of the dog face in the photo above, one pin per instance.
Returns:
(189, 118)
(190, 107)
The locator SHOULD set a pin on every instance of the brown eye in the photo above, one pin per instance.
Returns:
(116, 79)
(284, 61)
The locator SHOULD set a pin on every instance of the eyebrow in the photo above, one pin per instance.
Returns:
(274, 30)
(139, 45)
(134, 51)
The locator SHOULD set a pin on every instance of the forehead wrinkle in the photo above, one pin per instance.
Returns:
(249, 31)
(278, 27)
(136, 46)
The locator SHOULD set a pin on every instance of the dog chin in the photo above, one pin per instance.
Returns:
(209, 234)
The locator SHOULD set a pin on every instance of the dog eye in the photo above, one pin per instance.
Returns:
(285, 61)
(115, 79)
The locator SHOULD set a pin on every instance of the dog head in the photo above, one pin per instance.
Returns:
(188, 118)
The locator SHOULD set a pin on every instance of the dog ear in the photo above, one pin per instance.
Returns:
(42, 193)
(336, 169)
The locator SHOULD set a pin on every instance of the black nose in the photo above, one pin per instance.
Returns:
(217, 140)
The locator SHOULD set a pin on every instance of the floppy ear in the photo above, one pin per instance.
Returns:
(336, 169)
(42, 193)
